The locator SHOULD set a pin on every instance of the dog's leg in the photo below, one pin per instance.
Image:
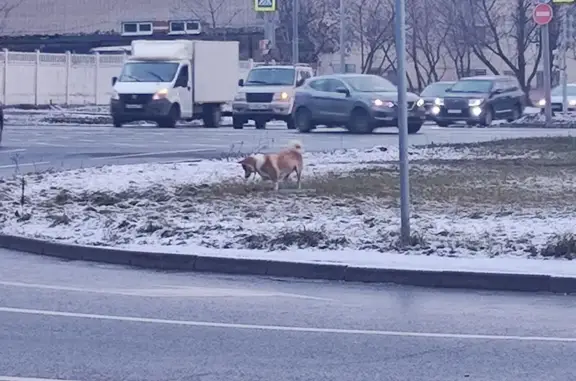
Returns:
(276, 186)
(299, 177)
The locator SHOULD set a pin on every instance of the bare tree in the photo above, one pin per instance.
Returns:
(457, 48)
(372, 31)
(426, 41)
(318, 29)
(214, 13)
(6, 8)
(503, 29)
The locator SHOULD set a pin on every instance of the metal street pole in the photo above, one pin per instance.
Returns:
(564, 48)
(295, 35)
(547, 68)
(342, 27)
(400, 33)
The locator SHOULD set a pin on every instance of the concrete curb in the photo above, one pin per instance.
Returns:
(195, 263)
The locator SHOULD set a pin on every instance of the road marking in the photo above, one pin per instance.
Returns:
(50, 144)
(135, 155)
(13, 151)
(166, 291)
(4, 378)
(23, 165)
(256, 327)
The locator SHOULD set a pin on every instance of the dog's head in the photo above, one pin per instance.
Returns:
(249, 166)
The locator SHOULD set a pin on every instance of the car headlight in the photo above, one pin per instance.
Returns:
(283, 96)
(381, 103)
(542, 102)
(420, 102)
(475, 102)
(240, 97)
(572, 102)
(439, 102)
(115, 95)
(160, 94)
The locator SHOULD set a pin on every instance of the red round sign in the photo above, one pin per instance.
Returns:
(542, 14)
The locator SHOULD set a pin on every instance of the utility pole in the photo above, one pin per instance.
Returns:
(564, 47)
(295, 32)
(400, 33)
(342, 29)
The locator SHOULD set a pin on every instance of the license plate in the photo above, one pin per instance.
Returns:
(259, 107)
(454, 111)
(134, 106)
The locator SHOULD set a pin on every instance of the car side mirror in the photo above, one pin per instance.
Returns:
(343, 90)
(240, 82)
(114, 80)
(497, 91)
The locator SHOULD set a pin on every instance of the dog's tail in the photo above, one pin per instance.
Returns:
(296, 145)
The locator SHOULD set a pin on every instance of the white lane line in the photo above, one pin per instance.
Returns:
(24, 165)
(50, 144)
(5, 378)
(191, 323)
(166, 291)
(145, 154)
(13, 151)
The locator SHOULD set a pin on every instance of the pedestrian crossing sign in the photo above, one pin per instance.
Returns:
(265, 5)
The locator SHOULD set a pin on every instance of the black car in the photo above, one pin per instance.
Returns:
(480, 100)
(359, 102)
(433, 91)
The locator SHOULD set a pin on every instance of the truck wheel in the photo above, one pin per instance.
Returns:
(303, 120)
(211, 115)
(117, 122)
(360, 122)
(414, 127)
(260, 124)
(442, 124)
(237, 123)
(171, 119)
(290, 123)
(488, 117)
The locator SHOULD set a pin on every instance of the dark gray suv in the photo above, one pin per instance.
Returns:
(360, 102)
(480, 100)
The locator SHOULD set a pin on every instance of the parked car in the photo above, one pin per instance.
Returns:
(480, 100)
(268, 94)
(360, 102)
(433, 91)
(557, 100)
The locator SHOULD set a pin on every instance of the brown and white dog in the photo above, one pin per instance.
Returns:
(276, 167)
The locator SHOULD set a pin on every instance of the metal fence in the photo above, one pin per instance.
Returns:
(64, 78)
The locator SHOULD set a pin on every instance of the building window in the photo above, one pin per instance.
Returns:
(184, 27)
(478, 72)
(137, 29)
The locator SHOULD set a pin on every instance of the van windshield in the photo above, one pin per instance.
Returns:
(271, 77)
(148, 72)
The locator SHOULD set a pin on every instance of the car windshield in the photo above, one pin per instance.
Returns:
(369, 84)
(436, 89)
(148, 72)
(557, 91)
(472, 86)
(271, 77)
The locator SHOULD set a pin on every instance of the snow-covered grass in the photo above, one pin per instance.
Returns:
(76, 115)
(507, 198)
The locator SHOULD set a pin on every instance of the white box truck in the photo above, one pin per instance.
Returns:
(166, 81)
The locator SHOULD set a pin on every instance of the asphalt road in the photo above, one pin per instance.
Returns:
(35, 148)
(89, 322)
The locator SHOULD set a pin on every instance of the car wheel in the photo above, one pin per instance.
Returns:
(303, 120)
(488, 117)
(260, 124)
(516, 114)
(237, 123)
(360, 122)
(413, 128)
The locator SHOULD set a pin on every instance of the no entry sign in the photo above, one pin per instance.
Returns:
(542, 14)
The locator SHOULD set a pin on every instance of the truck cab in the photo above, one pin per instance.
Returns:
(167, 81)
(268, 94)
